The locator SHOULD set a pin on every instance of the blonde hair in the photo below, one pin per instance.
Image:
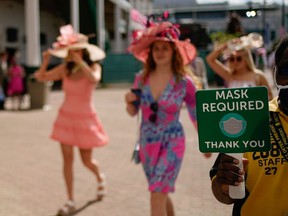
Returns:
(196, 80)
(247, 57)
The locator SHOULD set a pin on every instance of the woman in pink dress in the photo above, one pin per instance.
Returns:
(165, 85)
(16, 83)
(77, 124)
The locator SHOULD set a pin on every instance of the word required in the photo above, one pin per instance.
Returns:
(232, 105)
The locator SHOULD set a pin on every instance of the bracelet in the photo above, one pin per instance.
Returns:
(213, 178)
(83, 64)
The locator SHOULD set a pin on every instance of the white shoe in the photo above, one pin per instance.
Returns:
(68, 208)
(101, 188)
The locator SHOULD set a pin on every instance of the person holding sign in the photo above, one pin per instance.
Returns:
(165, 85)
(265, 173)
(240, 70)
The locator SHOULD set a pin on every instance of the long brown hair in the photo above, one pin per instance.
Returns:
(86, 57)
(178, 66)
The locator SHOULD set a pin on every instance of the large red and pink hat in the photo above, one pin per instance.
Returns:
(163, 31)
(69, 39)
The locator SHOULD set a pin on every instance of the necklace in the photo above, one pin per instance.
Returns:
(76, 68)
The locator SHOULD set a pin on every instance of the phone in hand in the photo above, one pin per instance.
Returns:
(137, 92)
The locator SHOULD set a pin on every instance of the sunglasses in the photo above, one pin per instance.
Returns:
(233, 59)
(153, 116)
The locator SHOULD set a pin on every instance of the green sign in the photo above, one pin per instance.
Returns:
(234, 120)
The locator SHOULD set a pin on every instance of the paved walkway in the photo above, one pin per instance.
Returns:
(31, 182)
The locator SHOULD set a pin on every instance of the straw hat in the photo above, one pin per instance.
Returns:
(69, 39)
(164, 31)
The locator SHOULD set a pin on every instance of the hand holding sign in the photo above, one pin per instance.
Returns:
(230, 175)
(238, 192)
(238, 122)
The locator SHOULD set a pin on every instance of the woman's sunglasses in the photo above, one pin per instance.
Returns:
(153, 116)
(233, 59)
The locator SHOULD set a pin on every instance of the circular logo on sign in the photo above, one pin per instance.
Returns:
(232, 125)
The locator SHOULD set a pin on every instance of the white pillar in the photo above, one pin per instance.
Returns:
(100, 23)
(129, 28)
(32, 29)
(75, 14)
(138, 5)
(132, 2)
(117, 34)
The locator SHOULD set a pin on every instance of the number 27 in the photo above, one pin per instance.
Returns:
(270, 170)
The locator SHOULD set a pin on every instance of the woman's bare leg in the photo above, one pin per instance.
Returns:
(90, 163)
(169, 207)
(67, 152)
(14, 100)
(158, 204)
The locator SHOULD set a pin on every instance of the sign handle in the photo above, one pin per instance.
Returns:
(237, 192)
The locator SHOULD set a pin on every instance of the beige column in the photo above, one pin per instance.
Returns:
(117, 34)
(100, 23)
(32, 29)
(74, 9)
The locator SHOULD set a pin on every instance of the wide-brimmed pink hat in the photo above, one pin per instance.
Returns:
(164, 31)
(69, 39)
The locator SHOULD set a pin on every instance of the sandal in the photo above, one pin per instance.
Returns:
(101, 188)
(67, 208)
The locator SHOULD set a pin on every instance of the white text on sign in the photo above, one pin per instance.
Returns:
(232, 105)
(235, 144)
(236, 94)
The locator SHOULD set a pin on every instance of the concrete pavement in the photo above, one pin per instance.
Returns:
(31, 182)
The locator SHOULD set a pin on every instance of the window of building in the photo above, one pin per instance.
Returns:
(11, 35)
(211, 15)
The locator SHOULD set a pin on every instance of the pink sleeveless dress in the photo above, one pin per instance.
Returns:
(77, 123)
(15, 85)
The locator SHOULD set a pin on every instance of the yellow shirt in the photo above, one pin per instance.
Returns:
(267, 178)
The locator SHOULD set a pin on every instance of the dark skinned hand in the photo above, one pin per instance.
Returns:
(229, 173)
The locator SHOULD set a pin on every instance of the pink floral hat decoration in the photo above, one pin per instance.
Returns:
(163, 31)
(69, 39)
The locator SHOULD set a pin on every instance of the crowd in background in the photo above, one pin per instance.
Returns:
(12, 81)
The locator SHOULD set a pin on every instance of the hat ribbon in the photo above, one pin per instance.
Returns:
(68, 37)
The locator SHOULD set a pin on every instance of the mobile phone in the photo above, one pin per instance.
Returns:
(137, 92)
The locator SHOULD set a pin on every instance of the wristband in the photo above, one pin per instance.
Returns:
(213, 178)
(83, 64)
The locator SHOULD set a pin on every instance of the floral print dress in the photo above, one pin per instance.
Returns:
(162, 140)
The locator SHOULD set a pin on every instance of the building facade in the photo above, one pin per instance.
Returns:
(31, 26)
(266, 19)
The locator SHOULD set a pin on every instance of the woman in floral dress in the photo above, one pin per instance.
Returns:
(165, 85)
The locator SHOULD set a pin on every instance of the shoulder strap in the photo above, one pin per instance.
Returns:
(140, 83)
(257, 80)
(137, 143)
(279, 134)
(140, 79)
